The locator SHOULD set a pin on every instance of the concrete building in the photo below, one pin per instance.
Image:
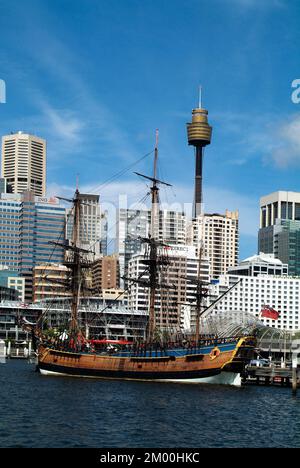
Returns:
(11, 279)
(279, 231)
(183, 263)
(3, 187)
(24, 163)
(27, 225)
(8, 294)
(262, 264)
(112, 294)
(170, 227)
(219, 236)
(105, 274)
(90, 227)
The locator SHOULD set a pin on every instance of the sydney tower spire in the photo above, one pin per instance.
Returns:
(199, 135)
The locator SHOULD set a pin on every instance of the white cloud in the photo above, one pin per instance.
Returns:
(274, 140)
(285, 151)
(63, 123)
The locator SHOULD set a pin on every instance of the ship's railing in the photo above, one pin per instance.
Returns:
(142, 349)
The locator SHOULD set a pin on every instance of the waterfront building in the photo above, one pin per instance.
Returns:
(24, 163)
(253, 292)
(279, 231)
(170, 227)
(182, 264)
(11, 310)
(103, 318)
(27, 225)
(219, 237)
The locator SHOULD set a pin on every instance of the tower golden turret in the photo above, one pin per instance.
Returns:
(199, 136)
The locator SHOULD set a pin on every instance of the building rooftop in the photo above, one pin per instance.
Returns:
(262, 258)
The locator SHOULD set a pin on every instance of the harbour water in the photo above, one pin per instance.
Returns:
(39, 411)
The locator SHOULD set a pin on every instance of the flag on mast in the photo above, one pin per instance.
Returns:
(269, 312)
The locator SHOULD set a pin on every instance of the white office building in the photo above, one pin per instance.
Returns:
(252, 293)
(219, 236)
(261, 264)
(183, 264)
(91, 229)
(170, 227)
(24, 163)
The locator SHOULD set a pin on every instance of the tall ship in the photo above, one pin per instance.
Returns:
(195, 357)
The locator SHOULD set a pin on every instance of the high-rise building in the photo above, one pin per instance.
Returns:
(105, 274)
(104, 233)
(27, 225)
(218, 235)
(3, 187)
(170, 227)
(90, 227)
(279, 231)
(131, 225)
(183, 264)
(24, 163)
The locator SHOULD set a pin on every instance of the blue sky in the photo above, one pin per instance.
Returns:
(97, 77)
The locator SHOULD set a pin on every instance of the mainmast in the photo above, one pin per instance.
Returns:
(153, 242)
(153, 246)
(76, 267)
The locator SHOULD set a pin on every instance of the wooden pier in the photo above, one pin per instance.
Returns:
(272, 375)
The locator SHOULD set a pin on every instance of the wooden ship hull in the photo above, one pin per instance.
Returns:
(174, 365)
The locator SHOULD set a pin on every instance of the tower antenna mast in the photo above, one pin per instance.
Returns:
(200, 96)
(199, 136)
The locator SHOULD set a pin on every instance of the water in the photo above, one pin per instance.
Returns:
(39, 411)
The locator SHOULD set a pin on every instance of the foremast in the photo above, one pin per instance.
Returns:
(76, 264)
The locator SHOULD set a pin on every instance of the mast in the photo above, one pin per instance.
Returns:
(153, 247)
(199, 296)
(76, 267)
(153, 242)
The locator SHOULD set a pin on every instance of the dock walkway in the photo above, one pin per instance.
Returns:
(271, 375)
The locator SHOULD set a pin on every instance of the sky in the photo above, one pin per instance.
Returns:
(96, 78)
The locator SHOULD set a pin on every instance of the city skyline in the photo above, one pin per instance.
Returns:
(64, 82)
